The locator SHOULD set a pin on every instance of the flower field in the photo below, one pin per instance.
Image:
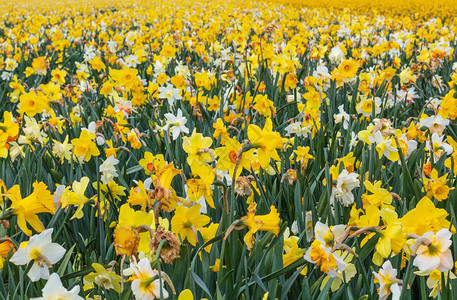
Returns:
(283, 149)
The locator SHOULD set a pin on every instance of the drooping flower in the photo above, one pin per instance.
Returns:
(127, 238)
(102, 277)
(27, 209)
(269, 222)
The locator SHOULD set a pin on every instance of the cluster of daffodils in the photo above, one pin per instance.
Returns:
(223, 149)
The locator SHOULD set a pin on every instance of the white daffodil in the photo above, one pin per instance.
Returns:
(433, 251)
(175, 124)
(388, 282)
(308, 225)
(345, 183)
(354, 140)
(342, 116)
(384, 147)
(439, 146)
(326, 234)
(169, 93)
(412, 144)
(108, 170)
(336, 55)
(146, 287)
(42, 251)
(55, 290)
(298, 129)
(436, 124)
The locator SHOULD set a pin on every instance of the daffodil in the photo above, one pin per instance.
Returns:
(291, 251)
(388, 282)
(201, 187)
(433, 251)
(197, 148)
(170, 94)
(438, 146)
(437, 186)
(187, 221)
(127, 238)
(55, 290)
(76, 196)
(379, 197)
(62, 150)
(345, 183)
(186, 295)
(33, 103)
(321, 255)
(266, 141)
(228, 157)
(84, 146)
(384, 147)
(108, 170)
(42, 252)
(392, 237)
(146, 284)
(139, 195)
(269, 222)
(220, 130)
(27, 209)
(102, 277)
(175, 124)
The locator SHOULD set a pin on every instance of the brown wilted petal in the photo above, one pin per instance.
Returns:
(171, 249)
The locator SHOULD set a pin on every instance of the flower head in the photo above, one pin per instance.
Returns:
(42, 252)
(26, 209)
(146, 284)
(387, 279)
(55, 290)
(433, 251)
